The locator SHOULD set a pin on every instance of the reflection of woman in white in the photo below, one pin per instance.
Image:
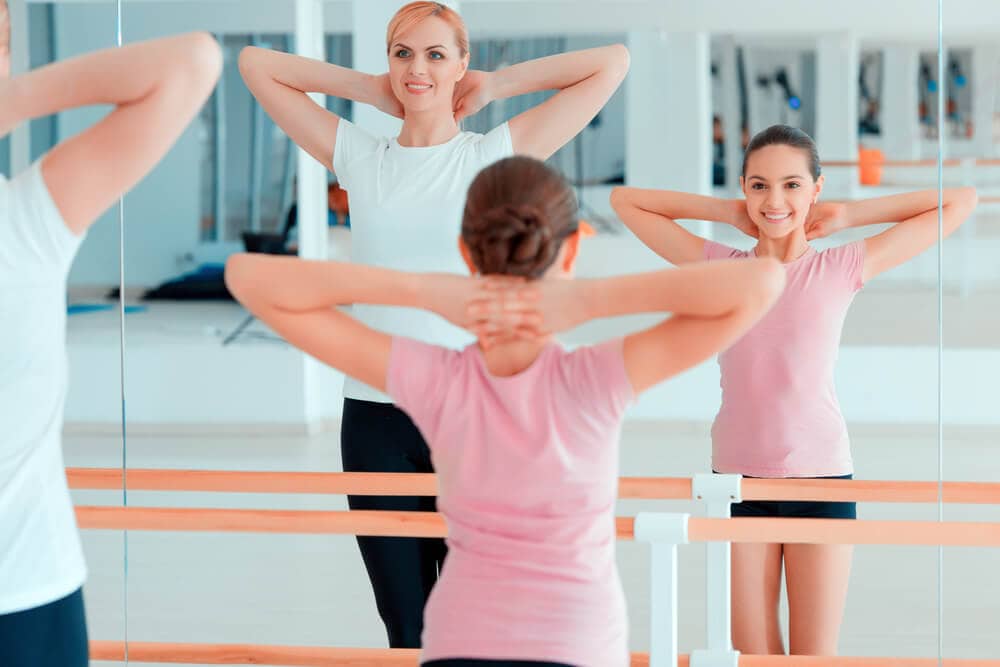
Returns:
(406, 195)
(156, 88)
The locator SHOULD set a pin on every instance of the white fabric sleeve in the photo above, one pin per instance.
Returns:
(35, 243)
(352, 143)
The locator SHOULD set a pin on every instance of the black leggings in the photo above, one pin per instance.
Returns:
(379, 437)
(466, 662)
(53, 635)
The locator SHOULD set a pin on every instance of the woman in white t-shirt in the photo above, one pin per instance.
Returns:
(155, 89)
(406, 195)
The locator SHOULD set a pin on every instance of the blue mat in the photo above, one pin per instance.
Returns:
(80, 308)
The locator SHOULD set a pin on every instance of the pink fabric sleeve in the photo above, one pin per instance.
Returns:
(851, 257)
(416, 380)
(596, 376)
(715, 251)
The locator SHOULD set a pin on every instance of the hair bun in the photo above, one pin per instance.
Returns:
(520, 235)
(517, 215)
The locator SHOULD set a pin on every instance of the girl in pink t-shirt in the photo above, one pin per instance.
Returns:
(523, 433)
(779, 415)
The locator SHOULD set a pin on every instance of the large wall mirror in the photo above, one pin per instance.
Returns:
(60, 373)
(231, 436)
(968, 69)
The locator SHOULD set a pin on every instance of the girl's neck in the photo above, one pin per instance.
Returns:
(427, 128)
(785, 249)
(507, 359)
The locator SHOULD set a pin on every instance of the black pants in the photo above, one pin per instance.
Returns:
(53, 635)
(464, 662)
(379, 437)
(798, 509)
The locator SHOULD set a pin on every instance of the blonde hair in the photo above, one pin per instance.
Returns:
(415, 12)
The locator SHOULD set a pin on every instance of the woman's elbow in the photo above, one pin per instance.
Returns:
(619, 61)
(239, 270)
(204, 60)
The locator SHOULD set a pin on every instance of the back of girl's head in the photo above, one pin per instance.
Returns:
(415, 12)
(785, 135)
(517, 214)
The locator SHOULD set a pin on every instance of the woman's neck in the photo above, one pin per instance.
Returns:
(507, 359)
(786, 249)
(427, 128)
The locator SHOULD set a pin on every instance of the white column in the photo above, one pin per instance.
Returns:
(837, 63)
(899, 99)
(311, 198)
(20, 138)
(311, 188)
(668, 122)
(758, 102)
(370, 20)
(985, 73)
(730, 107)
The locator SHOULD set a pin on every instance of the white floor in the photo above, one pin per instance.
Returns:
(312, 590)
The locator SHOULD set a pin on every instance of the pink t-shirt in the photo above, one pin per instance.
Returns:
(780, 416)
(527, 471)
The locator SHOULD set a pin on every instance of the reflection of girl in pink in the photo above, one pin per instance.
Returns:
(406, 195)
(155, 89)
(780, 416)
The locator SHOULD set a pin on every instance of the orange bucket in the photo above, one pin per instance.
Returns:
(870, 162)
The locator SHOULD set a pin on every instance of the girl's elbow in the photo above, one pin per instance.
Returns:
(970, 196)
(618, 196)
(768, 282)
(248, 59)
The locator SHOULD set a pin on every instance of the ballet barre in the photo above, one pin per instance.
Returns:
(421, 484)
(307, 656)
(664, 532)
(950, 162)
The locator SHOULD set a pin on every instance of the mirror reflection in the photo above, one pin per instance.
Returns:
(971, 131)
(76, 114)
(721, 139)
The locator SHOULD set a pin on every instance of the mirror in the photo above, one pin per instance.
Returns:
(971, 63)
(211, 388)
(60, 369)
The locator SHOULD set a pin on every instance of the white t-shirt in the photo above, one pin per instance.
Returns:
(40, 555)
(406, 214)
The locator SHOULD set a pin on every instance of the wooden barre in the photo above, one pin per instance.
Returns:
(278, 656)
(417, 484)
(950, 162)
(308, 656)
(431, 524)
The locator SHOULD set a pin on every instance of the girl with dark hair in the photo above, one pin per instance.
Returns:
(154, 88)
(406, 195)
(779, 415)
(523, 434)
